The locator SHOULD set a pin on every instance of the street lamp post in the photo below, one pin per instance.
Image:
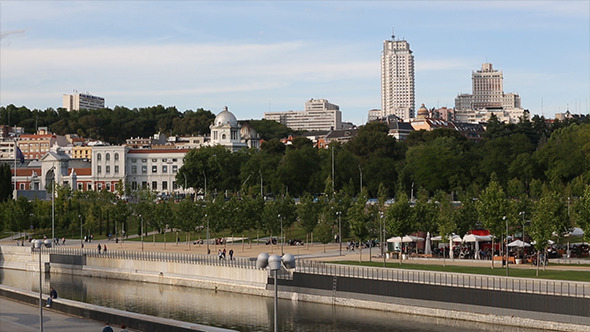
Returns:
(53, 205)
(340, 231)
(81, 243)
(274, 263)
(205, 176)
(207, 218)
(383, 239)
(282, 239)
(40, 292)
(522, 249)
(141, 220)
(507, 273)
(361, 176)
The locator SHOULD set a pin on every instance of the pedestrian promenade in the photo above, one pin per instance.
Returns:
(18, 316)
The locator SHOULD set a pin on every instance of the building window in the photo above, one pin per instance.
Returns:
(80, 186)
(99, 186)
(164, 160)
(98, 169)
(108, 156)
(143, 184)
(116, 169)
(223, 136)
(108, 169)
(108, 186)
(89, 187)
(154, 169)
(164, 185)
(116, 156)
(154, 160)
(133, 160)
(133, 169)
(174, 160)
(144, 169)
(144, 160)
(174, 168)
(164, 169)
(98, 156)
(154, 185)
(134, 185)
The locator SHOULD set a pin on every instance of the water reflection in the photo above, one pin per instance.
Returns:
(229, 310)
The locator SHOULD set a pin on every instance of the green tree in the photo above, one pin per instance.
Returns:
(307, 210)
(493, 208)
(549, 215)
(5, 183)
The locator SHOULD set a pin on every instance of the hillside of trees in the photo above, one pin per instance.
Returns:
(116, 125)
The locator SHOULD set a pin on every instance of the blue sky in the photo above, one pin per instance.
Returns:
(259, 56)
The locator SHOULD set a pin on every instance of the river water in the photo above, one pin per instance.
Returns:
(231, 310)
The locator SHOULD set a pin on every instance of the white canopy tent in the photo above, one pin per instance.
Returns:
(455, 238)
(519, 243)
(477, 239)
(405, 239)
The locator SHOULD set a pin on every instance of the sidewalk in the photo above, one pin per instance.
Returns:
(17, 316)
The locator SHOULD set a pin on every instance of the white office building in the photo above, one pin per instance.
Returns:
(319, 114)
(78, 101)
(487, 91)
(397, 79)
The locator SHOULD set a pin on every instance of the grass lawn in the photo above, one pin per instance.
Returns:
(498, 271)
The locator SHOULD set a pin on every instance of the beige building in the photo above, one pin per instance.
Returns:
(78, 101)
(319, 114)
(397, 79)
(487, 91)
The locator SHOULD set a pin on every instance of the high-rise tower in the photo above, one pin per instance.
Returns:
(397, 79)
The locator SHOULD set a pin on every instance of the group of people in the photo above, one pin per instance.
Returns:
(221, 254)
(102, 248)
(108, 328)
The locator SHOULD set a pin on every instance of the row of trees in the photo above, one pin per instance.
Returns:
(323, 216)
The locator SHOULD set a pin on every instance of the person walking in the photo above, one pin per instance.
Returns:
(231, 254)
(52, 295)
(107, 328)
(99, 248)
(124, 328)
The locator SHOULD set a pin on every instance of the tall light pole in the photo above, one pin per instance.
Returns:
(141, 219)
(383, 243)
(40, 292)
(53, 206)
(522, 249)
(339, 214)
(207, 233)
(261, 187)
(506, 219)
(205, 176)
(282, 239)
(81, 243)
(361, 176)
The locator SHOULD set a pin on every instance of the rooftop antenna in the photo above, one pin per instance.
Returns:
(392, 34)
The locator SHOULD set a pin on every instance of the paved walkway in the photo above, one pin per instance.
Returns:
(315, 251)
(17, 316)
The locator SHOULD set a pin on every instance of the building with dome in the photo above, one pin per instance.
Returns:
(225, 130)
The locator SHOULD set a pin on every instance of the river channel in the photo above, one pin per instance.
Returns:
(231, 310)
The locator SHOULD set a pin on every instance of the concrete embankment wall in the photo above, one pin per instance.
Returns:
(470, 304)
(102, 314)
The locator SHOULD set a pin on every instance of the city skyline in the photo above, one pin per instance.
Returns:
(256, 57)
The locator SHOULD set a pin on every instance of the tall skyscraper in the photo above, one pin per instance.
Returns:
(397, 79)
